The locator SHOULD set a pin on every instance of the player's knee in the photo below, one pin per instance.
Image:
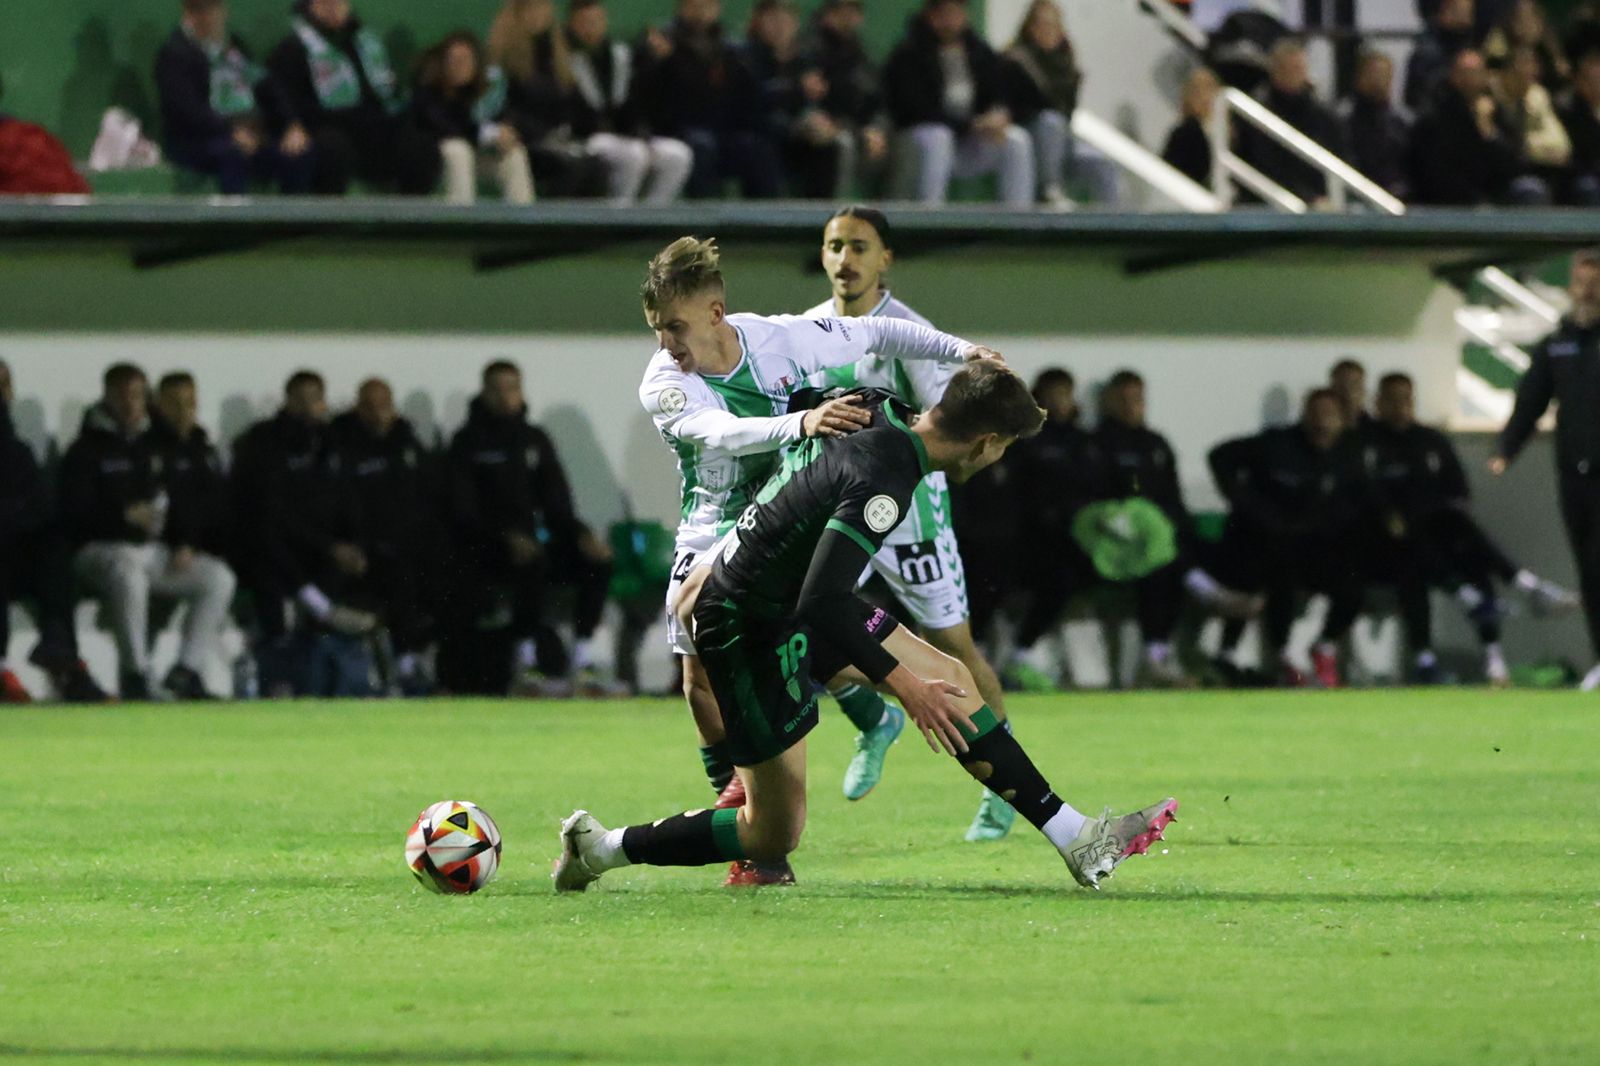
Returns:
(959, 675)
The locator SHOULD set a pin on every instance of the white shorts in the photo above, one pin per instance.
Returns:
(691, 551)
(921, 562)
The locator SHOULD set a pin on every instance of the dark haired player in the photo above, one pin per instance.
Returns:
(920, 560)
(778, 607)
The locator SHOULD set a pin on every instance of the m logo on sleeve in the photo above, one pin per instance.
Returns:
(881, 513)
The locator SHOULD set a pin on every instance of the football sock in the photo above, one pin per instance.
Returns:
(315, 600)
(863, 706)
(995, 758)
(694, 838)
(719, 767)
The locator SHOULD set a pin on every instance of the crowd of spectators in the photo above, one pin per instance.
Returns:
(359, 560)
(550, 100)
(1340, 502)
(369, 562)
(1498, 110)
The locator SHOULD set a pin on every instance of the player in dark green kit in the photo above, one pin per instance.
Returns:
(778, 610)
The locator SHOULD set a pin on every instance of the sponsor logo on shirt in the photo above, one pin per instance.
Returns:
(875, 622)
(881, 513)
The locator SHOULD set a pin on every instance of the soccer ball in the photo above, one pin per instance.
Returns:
(453, 847)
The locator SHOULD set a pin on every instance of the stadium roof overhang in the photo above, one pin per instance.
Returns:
(155, 233)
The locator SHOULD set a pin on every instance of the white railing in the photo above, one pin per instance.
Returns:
(1144, 164)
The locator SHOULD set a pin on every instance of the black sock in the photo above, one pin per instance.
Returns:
(719, 767)
(998, 762)
(694, 838)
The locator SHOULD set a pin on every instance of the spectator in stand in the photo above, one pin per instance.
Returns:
(293, 561)
(35, 562)
(213, 99)
(1580, 114)
(517, 530)
(1462, 148)
(1057, 473)
(117, 510)
(1289, 95)
(1524, 24)
(1424, 534)
(817, 153)
(1530, 119)
(1375, 134)
(452, 104)
(1188, 146)
(381, 474)
(1449, 31)
(609, 118)
(333, 77)
(854, 97)
(702, 93)
(1297, 496)
(527, 45)
(1348, 381)
(946, 94)
(1042, 91)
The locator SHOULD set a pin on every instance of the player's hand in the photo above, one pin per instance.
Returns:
(978, 351)
(930, 706)
(835, 418)
(1497, 465)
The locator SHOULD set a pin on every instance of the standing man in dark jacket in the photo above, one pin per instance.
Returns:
(517, 530)
(36, 562)
(384, 480)
(701, 92)
(1297, 495)
(1565, 368)
(334, 78)
(213, 99)
(945, 90)
(1288, 93)
(116, 506)
(1424, 535)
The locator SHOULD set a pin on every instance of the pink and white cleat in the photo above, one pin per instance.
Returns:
(1104, 842)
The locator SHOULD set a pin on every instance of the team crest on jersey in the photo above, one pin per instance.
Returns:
(672, 401)
(881, 513)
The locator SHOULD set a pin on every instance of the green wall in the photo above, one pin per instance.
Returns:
(65, 61)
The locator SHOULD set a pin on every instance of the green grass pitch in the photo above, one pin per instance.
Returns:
(1361, 877)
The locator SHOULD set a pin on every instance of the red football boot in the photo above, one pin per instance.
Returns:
(747, 873)
(731, 796)
(11, 690)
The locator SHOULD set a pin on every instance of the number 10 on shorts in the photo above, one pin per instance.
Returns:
(790, 656)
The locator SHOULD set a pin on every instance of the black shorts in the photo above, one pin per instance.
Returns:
(767, 673)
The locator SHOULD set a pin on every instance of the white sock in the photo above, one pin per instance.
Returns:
(1527, 580)
(315, 600)
(1426, 658)
(1158, 652)
(1063, 827)
(526, 654)
(607, 853)
(583, 654)
(1495, 658)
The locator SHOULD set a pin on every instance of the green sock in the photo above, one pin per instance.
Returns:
(719, 767)
(862, 705)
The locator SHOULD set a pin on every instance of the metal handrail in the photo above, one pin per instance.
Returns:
(1513, 291)
(1261, 185)
(1144, 164)
(1342, 174)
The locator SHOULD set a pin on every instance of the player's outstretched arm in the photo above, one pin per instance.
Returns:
(674, 404)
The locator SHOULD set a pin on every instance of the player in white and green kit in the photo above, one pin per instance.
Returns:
(919, 560)
(718, 391)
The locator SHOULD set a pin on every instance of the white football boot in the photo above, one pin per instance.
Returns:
(1104, 842)
(579, 834)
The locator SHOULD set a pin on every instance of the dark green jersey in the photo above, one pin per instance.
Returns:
(802, 546)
